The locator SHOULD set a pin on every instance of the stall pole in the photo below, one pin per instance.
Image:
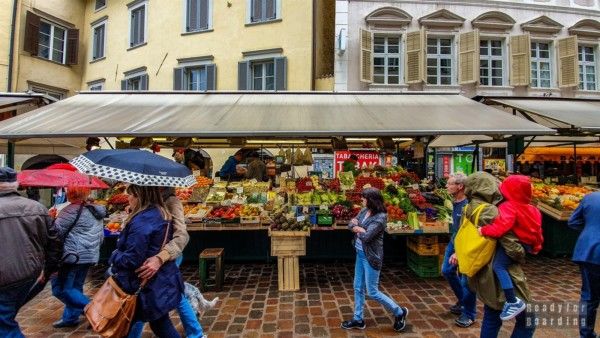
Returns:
(475, 158)
(10, 154)
(575, 162)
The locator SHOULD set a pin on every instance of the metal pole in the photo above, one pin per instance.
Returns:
(575, 163)
(10, 155)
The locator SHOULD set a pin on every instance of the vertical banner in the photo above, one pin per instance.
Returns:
(446, 165)
(365, 159)
(463, 162)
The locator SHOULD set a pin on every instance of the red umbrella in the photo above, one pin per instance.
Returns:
(64, 166)
(57, 178)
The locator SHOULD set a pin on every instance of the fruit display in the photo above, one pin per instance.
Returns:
(318, 198)
(363, 182)
(250, 210)
(283, 223)
(346, 180)
(395, 214)
(183, 194)
(202, 181)
(561, 197)
(113, 227)
(344, 211)
(225, 212)
(196, 211)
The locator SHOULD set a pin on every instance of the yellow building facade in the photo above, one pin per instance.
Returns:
(64, 46)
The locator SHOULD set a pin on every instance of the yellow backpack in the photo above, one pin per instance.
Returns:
(473, 251)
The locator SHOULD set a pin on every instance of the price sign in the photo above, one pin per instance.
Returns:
(300, 218)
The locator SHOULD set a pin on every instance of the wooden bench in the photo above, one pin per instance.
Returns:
(205, 257)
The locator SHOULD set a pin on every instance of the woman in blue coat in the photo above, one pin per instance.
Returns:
(143, 237)
(586, 218)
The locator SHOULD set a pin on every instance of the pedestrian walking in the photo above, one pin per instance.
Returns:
(482, 188)
(81, 226)
(465, 306)
(368, 227)
(30, 250)
(586, 218)
(142, 238)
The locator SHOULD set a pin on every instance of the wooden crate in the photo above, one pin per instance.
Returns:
(423, 249)
(559, 215)
(436, 227)
(288, 273)
(250, 219)
(288, 246)
(432, 239)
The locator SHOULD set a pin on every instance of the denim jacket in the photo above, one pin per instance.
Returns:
(372, 239)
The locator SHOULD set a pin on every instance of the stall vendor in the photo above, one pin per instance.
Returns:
(230, 171)
(257, 169)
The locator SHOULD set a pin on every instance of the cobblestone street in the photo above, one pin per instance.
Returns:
(251, 306)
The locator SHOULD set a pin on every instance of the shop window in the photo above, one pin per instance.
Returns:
(386, 59)
(587, 68)
(439, 61)
(198, 15)
(541, 65)
(491, 63)
(138, 20)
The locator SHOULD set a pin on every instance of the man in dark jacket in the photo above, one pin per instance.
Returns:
(29, 250)
(586, 218)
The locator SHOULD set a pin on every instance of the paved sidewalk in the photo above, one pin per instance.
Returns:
(251, 306)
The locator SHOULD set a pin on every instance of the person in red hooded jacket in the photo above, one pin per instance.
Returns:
(515, 214)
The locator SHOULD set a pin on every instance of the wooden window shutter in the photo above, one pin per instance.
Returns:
(243, 70)
(415, 57)
(123, 84)
(144, 79)
(32, 33)
(366, 55)
(211, 77)
(280, 73)
(568, 63)
(178, 78)
(203, 14)
(256, 10)
(72, 46)
(468, 57)
(271, 12)
(520, 60)
(192, 12)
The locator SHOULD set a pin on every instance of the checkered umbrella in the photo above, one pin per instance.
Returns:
(134, 166)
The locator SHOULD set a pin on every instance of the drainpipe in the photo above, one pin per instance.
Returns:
(314, 48)
(10, 153)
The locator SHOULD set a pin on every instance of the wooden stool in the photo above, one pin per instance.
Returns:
(205, 256)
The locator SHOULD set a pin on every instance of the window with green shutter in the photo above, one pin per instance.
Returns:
(98, 40)
(137, 28)
(264, 10)
(198, 15)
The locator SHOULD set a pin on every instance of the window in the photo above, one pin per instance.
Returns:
(386, 59)
(96, 86)
(197, 15)
(137, 33)
(439, 61)
(135, 80)
(541, 75)
(195, 78)
(264, 10)
(263, 75)
(55, 93)
(491, 63)
(587, 68)
(100, 4)
(98, 40)
(52, 44)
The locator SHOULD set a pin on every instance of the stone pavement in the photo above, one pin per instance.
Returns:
(251, 306)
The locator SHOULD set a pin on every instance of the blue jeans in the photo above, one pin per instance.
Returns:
(11, 300)
(367, 279)
(491, 324)
(190, 322)
(590, 297)
(67, 286)
(500, 267)
(459, 285)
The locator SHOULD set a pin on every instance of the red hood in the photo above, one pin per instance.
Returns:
(516, 188)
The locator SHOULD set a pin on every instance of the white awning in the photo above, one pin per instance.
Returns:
(261, 114)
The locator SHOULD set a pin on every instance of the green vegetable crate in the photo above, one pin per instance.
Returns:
(324, 219)
(423, 266)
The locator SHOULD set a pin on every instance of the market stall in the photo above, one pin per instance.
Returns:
(240, 215)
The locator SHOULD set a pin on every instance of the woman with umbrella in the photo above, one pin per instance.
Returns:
(147, 229)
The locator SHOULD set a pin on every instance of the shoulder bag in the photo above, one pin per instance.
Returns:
(111, 310)
(473, 251)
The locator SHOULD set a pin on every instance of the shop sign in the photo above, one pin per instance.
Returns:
(365, 159)
(495, 164)
(463, 163)
(446, 165)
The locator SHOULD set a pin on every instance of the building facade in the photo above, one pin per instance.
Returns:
(64, 46)
(523, 48)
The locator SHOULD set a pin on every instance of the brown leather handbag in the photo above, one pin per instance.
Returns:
(111, 311)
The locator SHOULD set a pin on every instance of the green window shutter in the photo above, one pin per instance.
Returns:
(280, 73)
(178, 78)
(123, 84)
(144, 79)
(243, 69)
(211, 77)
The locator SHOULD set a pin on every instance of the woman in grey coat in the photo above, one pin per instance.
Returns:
(369, 226)
(82, 238)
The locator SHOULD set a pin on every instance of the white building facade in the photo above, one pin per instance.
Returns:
(522, 48)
